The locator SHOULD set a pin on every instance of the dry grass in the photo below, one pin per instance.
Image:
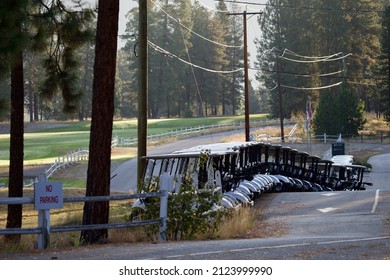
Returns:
(260, 133)
(238, 225)
(70, 214)
(374, 125)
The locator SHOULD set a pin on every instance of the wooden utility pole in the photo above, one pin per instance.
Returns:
(280, 99)
(247, 123)
(142, 88)
(246, 95)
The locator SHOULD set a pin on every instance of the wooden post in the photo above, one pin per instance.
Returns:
(166, 181)
(43, 241)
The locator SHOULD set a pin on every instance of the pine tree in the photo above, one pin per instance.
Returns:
(39, 26)
(384, 66)
(232, 84)
(13, 41)
(71, 30)
(318, 28)
(342, 112)
(99, 171)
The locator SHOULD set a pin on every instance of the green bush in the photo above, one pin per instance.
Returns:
(190, 212)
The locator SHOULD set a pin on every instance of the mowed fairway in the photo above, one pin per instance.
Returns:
(45, 145)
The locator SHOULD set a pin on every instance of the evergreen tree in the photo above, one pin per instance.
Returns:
(126, 96)
(318, 28)
(210, 55)
(342, 112)
(189, 99)
(268, 47)
(70, 30)
(44, 26)
(232, 84)
(185, 38)
(165, 83)
(87, 58)
(33, 72)
(99, 170)
(384, 66)
(325, 116)
(13, 41)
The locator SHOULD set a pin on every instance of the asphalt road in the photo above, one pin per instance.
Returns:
(319, 226)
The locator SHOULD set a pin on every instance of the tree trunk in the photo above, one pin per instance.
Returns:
(15, 188)
(99, 171)
(36, 107)
(30, 101)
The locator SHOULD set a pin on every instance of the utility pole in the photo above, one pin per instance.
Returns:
(142, 88)
(246, 95)
(280, 98)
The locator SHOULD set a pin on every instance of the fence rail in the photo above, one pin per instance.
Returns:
(62, 162)
(43, 230)
(383, 137)
(69, 158)
(191, 131)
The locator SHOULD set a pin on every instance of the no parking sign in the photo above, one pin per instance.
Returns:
(48, 195)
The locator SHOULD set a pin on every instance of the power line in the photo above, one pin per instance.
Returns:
(273, 72)
(221, 11)
(167, 53)
(310, 57)
(313, 59)
(327, 59)
(211, 8)
(312, 88)
(193, 32)
(306, 7)
(305, 88)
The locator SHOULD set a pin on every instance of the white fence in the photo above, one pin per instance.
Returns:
(62, 162)
(196, 130)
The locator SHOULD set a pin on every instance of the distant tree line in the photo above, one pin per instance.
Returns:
(297, 56)
(195, 67)
(193, 55)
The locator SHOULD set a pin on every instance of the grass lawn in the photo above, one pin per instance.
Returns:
(44, 146)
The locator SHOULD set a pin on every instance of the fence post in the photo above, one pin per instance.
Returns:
(166, 181)
(43, 223)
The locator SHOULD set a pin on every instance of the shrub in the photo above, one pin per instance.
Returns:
(190, 211)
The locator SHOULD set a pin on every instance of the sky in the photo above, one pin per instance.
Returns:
(253, 29)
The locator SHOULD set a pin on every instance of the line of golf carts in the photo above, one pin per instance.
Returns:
(243, 171)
